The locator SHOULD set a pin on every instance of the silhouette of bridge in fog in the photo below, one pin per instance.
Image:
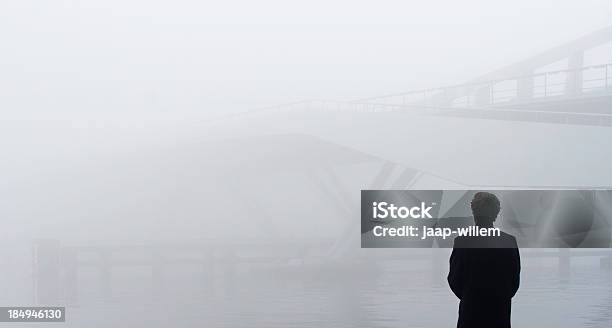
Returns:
(315, 137)
(552, 97)
(576, 94)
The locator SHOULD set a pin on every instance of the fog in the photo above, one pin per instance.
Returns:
(117, 132)
(90, 74)
(146, 62)
(95, 94)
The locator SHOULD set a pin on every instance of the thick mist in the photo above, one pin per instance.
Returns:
(127, 155)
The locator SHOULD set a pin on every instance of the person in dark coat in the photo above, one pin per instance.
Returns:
(485, 270)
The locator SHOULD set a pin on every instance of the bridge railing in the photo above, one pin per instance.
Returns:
(584, 81)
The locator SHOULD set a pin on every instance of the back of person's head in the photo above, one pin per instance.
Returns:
(485, 207)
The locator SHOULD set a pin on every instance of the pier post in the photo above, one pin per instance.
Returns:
(439, 266)
(70, 278)
(157, 272)
(46, 271)
(208, 270)
(229, 270)
(105, 273)
(564, 263)
(606, 262)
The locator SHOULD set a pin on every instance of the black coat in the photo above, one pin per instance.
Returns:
(485, 279)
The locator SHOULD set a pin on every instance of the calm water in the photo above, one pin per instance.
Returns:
(409, 293)
(395, 295)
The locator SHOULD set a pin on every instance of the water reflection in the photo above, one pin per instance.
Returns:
(402, 293)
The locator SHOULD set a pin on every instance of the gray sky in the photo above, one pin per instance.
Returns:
(94, 70)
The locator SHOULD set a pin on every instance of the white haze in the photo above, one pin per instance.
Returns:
(103, 139)
(84, 82)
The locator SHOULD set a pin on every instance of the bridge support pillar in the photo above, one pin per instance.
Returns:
(229, 271)
(105, 274)
(46, 271)
(71, 275)
(606, 262)
(208, 270)
(157, 272)
(564, 263)
(439, 266)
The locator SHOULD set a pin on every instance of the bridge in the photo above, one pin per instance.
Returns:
(516, 127)
(576, 94)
